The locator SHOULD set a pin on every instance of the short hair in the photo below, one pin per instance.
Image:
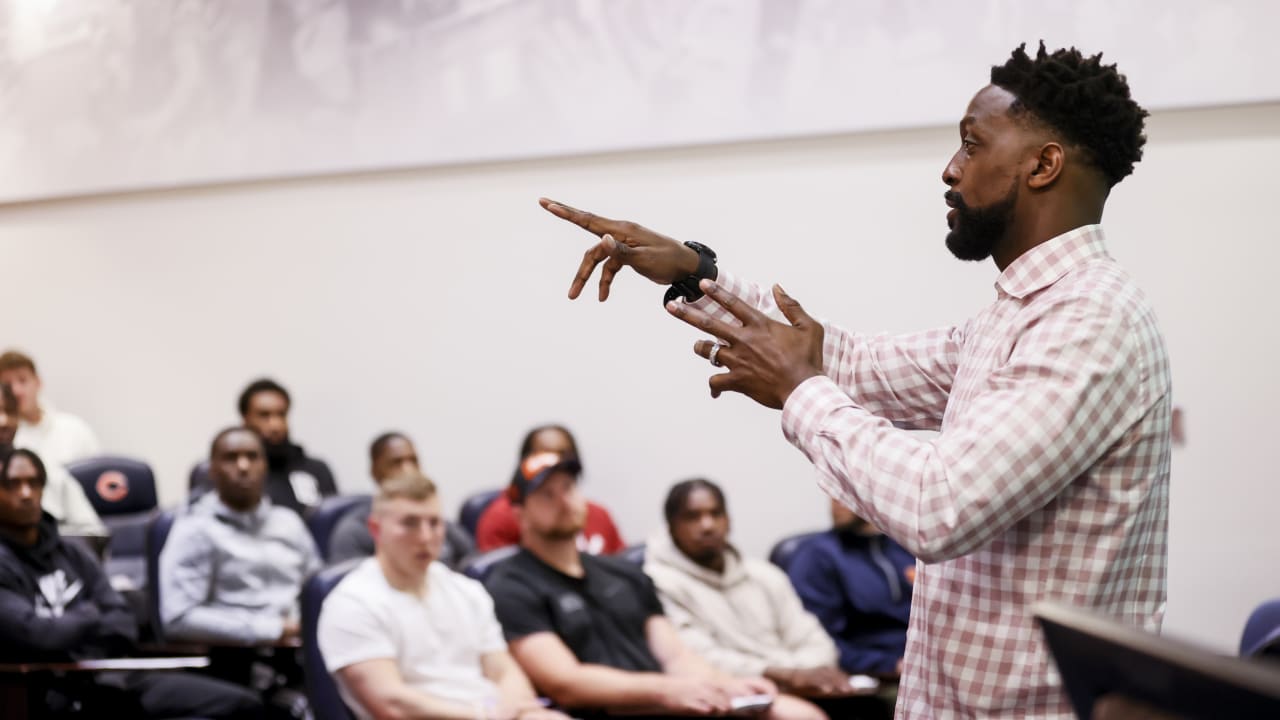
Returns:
(679, 494)
(379, 444)
(406, 486)
(1079, 97)
(15, 360)
(526, 445)
(213, 446)
(259, 386)
(42, 473)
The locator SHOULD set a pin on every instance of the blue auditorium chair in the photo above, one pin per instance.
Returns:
(1261, 637)
(479, 567)
(322, 689)
(323, 518)
(157, 534)
(473, 507)
(198, 482)
(123, 492)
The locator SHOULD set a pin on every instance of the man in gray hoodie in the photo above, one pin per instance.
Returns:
(740, 613)
(233, 566)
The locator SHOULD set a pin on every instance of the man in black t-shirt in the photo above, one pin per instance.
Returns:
(589, 631)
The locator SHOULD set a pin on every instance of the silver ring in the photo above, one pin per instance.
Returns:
(715, 350)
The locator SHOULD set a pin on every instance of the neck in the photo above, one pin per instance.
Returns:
(34, 416)
(1034, 228)
(414, 583)
(25, 535)
(561, 554)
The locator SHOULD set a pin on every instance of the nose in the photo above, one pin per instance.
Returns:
(25, 491)
(951, 173)
(242, 463)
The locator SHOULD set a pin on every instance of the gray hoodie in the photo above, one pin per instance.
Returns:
(233, 578)
(742, 620)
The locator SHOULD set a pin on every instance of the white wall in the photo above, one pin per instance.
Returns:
(434, 301)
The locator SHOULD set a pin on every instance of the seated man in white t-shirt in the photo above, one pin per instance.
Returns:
(405, 636)
(57, 437)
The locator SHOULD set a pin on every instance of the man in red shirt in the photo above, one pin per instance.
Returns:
(498, 527)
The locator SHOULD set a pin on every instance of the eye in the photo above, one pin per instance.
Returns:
(968, 145)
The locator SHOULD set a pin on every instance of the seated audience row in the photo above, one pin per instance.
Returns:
(697, 628)
(588, 631)
(56, 605)
(295, 480)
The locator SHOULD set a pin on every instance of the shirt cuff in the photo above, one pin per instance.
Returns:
(266, 628)
(808, 406)
(730, 283)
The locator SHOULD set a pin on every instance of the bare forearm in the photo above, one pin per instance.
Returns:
(513, 686)
(405, 703)
(604, 687)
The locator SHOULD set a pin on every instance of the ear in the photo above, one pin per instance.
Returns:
(1048, 166)
(375, 527)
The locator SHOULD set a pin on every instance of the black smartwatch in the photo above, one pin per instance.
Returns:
(687, 287)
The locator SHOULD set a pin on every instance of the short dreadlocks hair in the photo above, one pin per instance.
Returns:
(1084, 100)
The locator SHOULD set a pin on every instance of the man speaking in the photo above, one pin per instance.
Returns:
(1049, 477)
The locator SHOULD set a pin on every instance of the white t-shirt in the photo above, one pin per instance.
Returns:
(437, 641)
(59, 438)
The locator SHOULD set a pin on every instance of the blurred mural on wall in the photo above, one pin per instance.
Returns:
(110, 95)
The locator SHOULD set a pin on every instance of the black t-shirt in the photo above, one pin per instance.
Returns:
(601, 616)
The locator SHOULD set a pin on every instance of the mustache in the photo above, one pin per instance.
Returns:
(955, 200)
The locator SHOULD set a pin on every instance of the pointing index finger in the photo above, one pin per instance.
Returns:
(590, 222)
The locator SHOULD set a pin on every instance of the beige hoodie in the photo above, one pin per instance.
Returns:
(743, 620)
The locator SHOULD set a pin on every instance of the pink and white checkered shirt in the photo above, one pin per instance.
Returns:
(1049, 478)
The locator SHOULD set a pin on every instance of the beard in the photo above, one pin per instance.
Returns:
(279, 455)
(978, 230)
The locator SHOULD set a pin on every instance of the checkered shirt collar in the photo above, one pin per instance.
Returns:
(1048, 262)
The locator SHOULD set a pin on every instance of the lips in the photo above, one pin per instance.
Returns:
(951, 217)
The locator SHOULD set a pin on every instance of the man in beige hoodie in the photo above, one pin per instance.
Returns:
(741, 614)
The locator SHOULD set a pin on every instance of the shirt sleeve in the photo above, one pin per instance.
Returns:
(905, 379)
(490, 630)
(186, 579)
(1070, 389)
(520, 610)
(350, 632)
(25, 630)
(66, 501)
(117, 628)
